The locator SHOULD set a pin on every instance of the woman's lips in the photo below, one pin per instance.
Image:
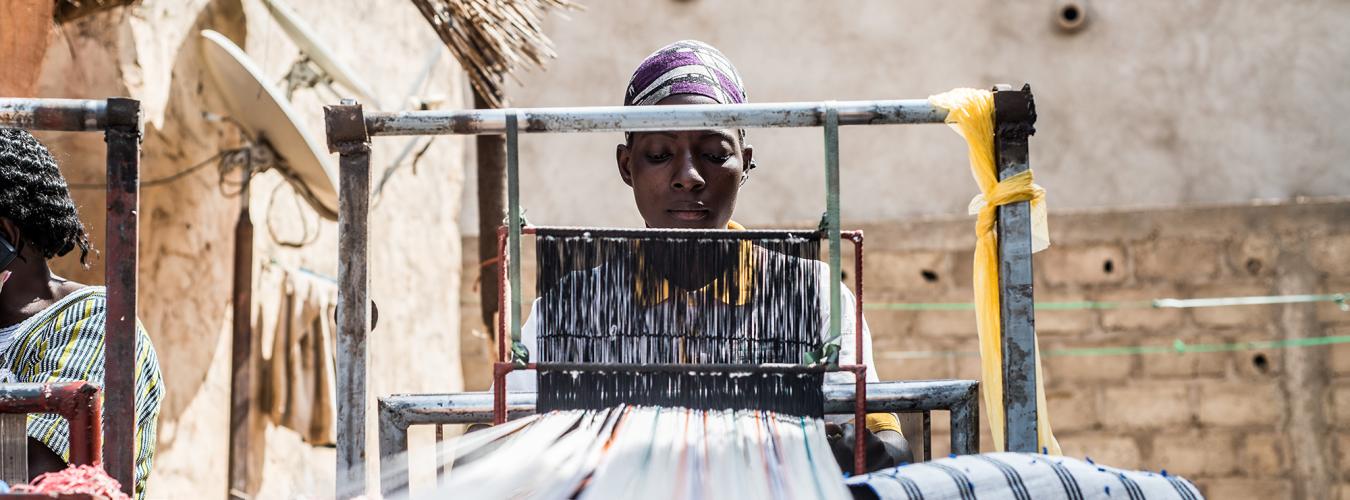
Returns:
(689, 215)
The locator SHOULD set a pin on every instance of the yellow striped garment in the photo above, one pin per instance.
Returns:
(64, 343)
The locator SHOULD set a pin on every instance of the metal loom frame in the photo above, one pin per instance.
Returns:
(349, 131)
(119, 119)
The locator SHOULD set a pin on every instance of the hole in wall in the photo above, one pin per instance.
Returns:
(929, 276)
(1071, 15)
(1260, 362)
(1254, 265)
(1109, 266)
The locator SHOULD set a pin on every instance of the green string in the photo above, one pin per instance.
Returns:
(1176, 347)
(1338, 298)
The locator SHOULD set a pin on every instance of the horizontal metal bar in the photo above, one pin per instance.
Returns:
(709, 368)
(650, 118)
(727, 234)
(476, 407)
(71, 115)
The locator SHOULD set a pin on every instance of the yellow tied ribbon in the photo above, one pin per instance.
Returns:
(971, 114)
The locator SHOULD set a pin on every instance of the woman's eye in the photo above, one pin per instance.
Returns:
(658, 158)
(717, 158)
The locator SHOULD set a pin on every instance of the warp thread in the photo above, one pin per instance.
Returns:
(666, 300)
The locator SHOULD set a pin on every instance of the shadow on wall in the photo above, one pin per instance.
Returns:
(186, 227)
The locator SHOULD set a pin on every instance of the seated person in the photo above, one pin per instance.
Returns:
(51, 328)
(690, 179)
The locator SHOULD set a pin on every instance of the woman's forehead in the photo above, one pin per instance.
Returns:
(688, 135)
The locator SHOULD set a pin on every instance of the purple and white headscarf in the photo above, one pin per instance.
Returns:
(685, 67)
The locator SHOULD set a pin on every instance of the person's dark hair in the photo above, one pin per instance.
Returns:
(35, 197)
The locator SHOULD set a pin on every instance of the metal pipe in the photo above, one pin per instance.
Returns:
(1014, 122)
(123, 136)
(965, 422)
(725, 234)
(241, 350)
(708, 368)
(393, 451)
(649, 118)
(70, 115)
(860, 416)
(513, 222)
(882, 397)
(77, 402)
(347, 136)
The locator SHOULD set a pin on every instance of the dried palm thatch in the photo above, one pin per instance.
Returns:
(493, 38)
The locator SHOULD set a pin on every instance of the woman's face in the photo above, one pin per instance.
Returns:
(685, 179)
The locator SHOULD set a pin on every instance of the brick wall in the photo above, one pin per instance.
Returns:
(1244, 424)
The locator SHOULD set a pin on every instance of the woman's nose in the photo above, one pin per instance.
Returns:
(687, 177)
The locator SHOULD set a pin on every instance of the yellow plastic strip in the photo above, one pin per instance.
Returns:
(971, 114)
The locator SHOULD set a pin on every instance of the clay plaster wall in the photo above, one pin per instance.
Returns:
(1154, 103)
(151, 52)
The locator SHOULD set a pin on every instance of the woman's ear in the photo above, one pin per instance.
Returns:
(622, 156)
(747, 158)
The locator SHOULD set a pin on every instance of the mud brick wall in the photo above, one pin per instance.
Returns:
(1248, 423)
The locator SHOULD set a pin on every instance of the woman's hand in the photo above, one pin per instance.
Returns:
(880, 450)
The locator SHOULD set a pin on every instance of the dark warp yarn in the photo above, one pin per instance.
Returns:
(660, 300)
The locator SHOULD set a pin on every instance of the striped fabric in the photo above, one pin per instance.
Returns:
(1018, 476)
(685, 67)
(64, 343)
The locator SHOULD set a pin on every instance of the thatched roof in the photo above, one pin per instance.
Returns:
(493, 38)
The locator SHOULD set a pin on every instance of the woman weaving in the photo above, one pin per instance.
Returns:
(690, 180)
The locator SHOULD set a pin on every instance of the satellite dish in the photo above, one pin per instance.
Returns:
(268, 117)
(304, 37)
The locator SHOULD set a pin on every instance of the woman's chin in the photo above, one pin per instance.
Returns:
(679, 223)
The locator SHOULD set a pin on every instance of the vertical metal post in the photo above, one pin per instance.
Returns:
(927, 436)
(1014, 122)
(965, 417)
(832, 220)
(123, 137)
(513, 222)
(394, 453)
(347, 136)
(241, 352)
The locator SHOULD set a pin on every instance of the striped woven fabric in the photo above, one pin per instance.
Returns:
(64, 343)
(1018, 476)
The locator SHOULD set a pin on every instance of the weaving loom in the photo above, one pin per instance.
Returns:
(635, 303)
(671, 363)
(764, 365)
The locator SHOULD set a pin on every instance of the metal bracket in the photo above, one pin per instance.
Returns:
(346, 126)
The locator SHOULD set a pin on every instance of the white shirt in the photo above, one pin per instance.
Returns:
(525, 380)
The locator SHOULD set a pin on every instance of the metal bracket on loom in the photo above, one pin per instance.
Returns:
(828, 353)
(515, 221)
